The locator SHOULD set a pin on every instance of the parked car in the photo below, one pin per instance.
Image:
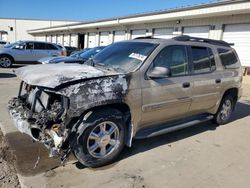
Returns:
(70, 49)
(79, 57)
(80, 51)
(24, 52)
(64, 50)
(130, 90)
(2, 43)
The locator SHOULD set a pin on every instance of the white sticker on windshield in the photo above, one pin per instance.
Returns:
(138, 56)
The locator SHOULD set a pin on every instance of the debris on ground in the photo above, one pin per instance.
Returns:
(8, 176)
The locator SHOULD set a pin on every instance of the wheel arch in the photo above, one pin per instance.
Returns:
(233, 92)
(121, 107)
(8, 55)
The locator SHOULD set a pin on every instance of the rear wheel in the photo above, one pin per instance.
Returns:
(103, 140)
(6, 61)
(225, 110)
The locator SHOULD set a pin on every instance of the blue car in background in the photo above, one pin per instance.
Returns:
(78, 57)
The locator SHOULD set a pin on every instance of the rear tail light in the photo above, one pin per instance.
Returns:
(63, 53)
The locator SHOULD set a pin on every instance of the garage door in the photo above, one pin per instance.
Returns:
(40, 38)
(48, 38)
(104, 39)
(239, 36)
(138, 33)
(66, 39)
(199, 31)
(53, 38)
(165, 33)
(4, 36)
(92, 40)
(73, 40)
(119, 36)
(59, 39)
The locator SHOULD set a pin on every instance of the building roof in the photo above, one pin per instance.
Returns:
(37, 19)
(167, 14)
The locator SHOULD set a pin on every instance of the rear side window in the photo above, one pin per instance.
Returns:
(228, 58)
(50, 47)
(203, 59)
(212, 60)
(39, 46)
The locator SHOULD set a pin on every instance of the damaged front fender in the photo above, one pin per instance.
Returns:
(95, 92)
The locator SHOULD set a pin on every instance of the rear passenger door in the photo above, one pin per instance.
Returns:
(205, 78)
(40, 50)
(52, 50)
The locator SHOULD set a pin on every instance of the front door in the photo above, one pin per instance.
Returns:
(25, 52)
(165, 99)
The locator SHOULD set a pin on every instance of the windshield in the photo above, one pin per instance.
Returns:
(126, 56)
(12, 44)
(78, 53)
(90, 53)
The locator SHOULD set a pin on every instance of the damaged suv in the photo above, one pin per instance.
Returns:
(132, 89)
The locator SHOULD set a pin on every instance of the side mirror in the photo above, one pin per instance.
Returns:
(159, 72)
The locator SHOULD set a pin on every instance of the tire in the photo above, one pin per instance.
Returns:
(95, 146)
(6, 61)
(225, 110)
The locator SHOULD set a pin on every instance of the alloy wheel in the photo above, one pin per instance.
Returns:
(103, 139)
(5, 62)
(226, 109)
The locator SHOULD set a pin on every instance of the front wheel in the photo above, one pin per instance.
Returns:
(6, 61)
(103, 140)
(225, 110)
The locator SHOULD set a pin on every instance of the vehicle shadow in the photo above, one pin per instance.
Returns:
(139, 146)
(7, 75)
(33, 158)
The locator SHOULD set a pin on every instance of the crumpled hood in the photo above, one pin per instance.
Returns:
(67, 59)
(53, 75)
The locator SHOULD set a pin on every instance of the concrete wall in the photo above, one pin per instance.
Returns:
(20, 27)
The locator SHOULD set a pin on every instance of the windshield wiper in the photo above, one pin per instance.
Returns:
(90, 62)
(110, 67)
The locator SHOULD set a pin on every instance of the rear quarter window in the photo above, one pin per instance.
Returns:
(50, 47)
(229, 58)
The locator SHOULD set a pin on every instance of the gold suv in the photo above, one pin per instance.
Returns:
(131, 89)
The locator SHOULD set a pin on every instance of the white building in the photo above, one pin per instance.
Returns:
(12, 30)
(223, 20)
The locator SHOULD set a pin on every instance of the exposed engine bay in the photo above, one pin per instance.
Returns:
(41, 114)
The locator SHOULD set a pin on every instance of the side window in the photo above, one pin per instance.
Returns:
(201, 61)
(212, 59)
(29, 45)
(174, 58)
(50, 47)
(228, 58)
(39, 46)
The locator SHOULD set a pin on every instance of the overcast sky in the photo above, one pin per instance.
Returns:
(83, 9)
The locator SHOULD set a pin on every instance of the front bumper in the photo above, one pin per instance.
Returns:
(18, 114)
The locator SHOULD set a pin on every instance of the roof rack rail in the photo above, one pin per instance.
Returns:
(146, 37)
(196, 39)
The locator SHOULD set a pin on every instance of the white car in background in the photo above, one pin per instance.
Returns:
(25, 52)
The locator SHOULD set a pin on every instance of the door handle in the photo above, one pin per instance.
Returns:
(217, 81)
(186, 85)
